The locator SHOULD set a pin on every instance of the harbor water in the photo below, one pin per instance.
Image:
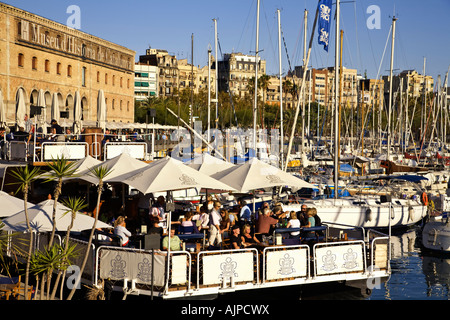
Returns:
(417, 274)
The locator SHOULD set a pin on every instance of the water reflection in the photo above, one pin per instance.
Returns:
(417, 274)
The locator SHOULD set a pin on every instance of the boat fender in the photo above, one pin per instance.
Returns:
(369, 215)
(411, 213)
(425, 199)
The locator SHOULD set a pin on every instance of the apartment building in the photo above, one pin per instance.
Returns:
(145, 81)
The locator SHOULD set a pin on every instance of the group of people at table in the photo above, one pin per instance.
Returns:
(237, 228)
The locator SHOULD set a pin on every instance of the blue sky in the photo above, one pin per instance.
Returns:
(422, 29)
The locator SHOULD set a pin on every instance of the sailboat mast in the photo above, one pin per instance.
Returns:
(255, 108)
(390, 88)
(217, 74)
(305, 19)
(336, 102)
(302, 89)
(281, 91)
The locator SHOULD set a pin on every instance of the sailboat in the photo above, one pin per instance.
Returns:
(359, 211)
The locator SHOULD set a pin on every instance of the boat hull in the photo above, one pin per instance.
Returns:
(436, 236)
(366, 213)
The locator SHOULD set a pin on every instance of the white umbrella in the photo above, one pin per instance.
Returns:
(2, 110)
(77, 113)
(208, 164)
(55, 108)
(122, 164)
(42, 103)
(101, 110)
(256, 174)
(11, 205)
(168, 174)
(80, 166)
(20, 109)
(40, 217)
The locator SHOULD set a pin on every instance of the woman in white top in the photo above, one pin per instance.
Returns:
(121, 231)
(293, 223)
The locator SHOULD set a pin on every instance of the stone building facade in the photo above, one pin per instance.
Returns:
(41, 54)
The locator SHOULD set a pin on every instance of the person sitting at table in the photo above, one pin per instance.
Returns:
(310, 212)
(247, 239)
(121, 231)
(202, 219)
(235, 239)
(187, 225)
(293, 223)
(265, 222)
(153, 227)
(175, 242)
(225, 223)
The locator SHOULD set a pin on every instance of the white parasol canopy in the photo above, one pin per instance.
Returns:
(55, 107)
(11, 205)
(168, 174)
(207, 164)
(101, 110)
(256, 174)
(40, 217)
(43, 104)
(2, 110)
(122, 164)
(21, 109)
(77, 113)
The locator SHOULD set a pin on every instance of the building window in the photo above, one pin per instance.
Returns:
(83, 77)
(106, 78)
(34, 63)
(47, 65)
(114, 80)
(120, 105)
(98, 76)
(20, 60)
(128, 83)
(121, 82)
(113, 104)
(69, 70)
(58, 68)
(128, 105)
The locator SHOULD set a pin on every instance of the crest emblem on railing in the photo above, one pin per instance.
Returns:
(350, 259)
(145, 271)
(286, 265)
(329, 261)
(118, 267)
(228, 269)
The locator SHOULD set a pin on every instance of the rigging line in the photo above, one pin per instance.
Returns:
(370, 40)
(246, 22)
(286, 49)
(357, 37)
(269, 33)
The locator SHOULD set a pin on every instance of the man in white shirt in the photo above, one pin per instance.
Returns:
(215, 233)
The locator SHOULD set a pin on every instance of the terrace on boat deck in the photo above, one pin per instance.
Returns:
(337, 255)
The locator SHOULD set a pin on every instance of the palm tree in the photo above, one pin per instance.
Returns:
(100, 173)
(59, 169)
(75, 205)
(25, 177)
